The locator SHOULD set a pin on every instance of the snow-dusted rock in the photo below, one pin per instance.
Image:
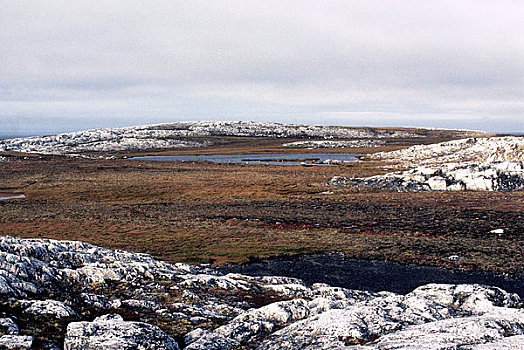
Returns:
(112, 332)
(47, 307)
(16, 342)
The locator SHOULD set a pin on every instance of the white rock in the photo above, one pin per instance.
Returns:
(142, 305)
(223, 282)
(272, 279)
(358, 323)
(328, 318)
(32, 266)
(200, 339)
(492, 149)
(474, 176)
(259, 321)
(8, 326)
(289, 289)
(47, 307)
(334, 327)
(111, 332)
(169, 136)
(437, 183)
(16, 342)
(515, 342)
(468, 297)
(310, 144)
(498, 230)
(447, 334)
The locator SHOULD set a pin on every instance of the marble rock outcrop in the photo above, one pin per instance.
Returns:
(474, 149)
(76, 296)
(495, 176)
(112, 332)
(477, 164)
(174, 135)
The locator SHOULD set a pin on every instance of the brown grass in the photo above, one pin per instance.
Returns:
(201, 212)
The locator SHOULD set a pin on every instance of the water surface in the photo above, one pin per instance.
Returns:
(267, 158)
(12, 196)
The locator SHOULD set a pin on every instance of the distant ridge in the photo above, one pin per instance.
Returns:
(179, 134)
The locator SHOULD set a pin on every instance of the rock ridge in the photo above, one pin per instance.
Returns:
(73, 295)
(174, 135)
(477, 164)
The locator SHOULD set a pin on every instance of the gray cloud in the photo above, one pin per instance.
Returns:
(108, 63)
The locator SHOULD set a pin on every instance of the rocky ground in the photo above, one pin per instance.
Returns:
(192, 134)
(477, 149)
(334, 144)
(74, 295)
(477, 164)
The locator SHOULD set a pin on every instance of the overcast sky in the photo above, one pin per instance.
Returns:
(69, 65)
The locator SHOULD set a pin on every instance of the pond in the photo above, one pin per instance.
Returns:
(13, 196)
(256, 158)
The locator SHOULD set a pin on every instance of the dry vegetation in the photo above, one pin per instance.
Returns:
(201, 212)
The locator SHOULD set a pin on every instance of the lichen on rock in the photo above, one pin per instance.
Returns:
(139, 302)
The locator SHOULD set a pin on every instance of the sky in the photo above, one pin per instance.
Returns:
(73, 65)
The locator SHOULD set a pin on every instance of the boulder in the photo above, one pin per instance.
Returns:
(53, 308)
(16, 342)
(437, 183)
(447, 334)
(200, 339)
(111, 332)
(468, 297)
(357, 323)
(264, 320)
